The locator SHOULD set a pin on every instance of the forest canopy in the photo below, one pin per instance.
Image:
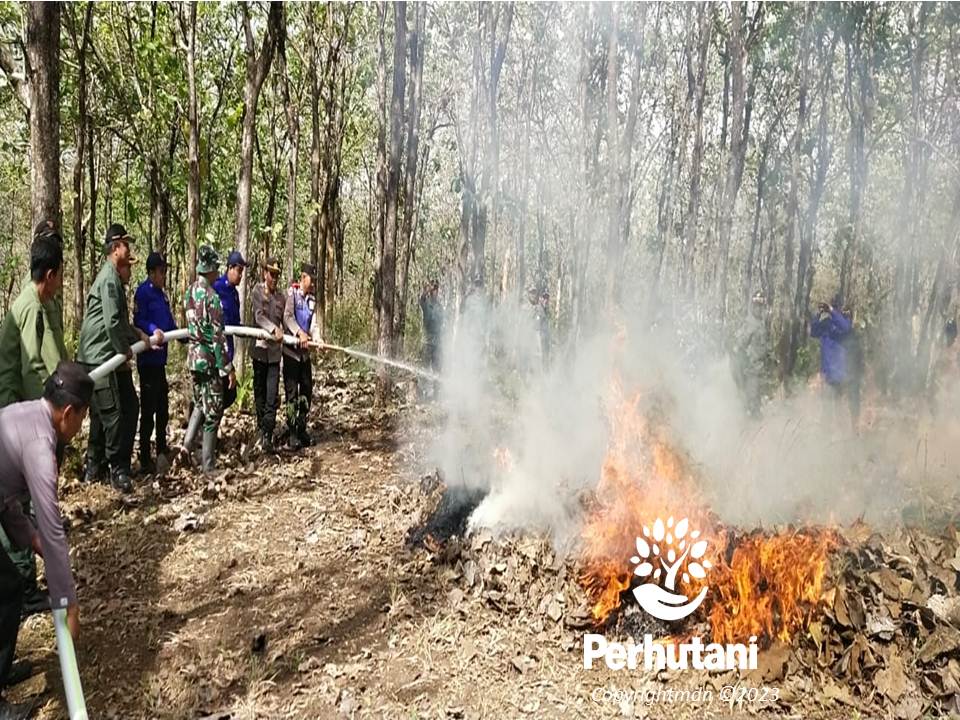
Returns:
(690, 158)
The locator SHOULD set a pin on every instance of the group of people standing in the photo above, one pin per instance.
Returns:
(44, 397)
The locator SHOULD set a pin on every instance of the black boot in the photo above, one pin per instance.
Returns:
(147, 466)
(266, 443)
(94, 472)
(34, 602)
(20, 670)
(209, 450)
(293, 439)
(193, 429)
(305, 439)
(120, 479)
(15, 711)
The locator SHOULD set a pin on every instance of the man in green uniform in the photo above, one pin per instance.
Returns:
(207, 356)
(106, 331)
(31, 346)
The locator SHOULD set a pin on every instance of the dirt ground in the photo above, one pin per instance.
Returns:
(284, 588)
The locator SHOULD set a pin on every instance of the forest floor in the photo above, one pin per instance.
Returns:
(285, 588)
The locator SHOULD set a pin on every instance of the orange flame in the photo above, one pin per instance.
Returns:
(769, 587)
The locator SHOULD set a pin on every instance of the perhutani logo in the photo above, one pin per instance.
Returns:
(667, 555)
(661, 556)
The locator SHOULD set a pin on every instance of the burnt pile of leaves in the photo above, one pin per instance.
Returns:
(884, 642)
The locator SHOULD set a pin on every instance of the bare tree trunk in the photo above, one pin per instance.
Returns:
(315, 153)
(416, 40)
(388, 260)
(787, 321)
(80, 229)
(613, 170)
(257, 67)
(739, 130)
(381, 168)
(43, 61)
(189, 28)
(859, 98)
(293, 130)
(693, 206)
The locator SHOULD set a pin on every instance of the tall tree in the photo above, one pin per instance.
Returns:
(391, 201)
(257, 68)
(293, 132)
(410, 199)
(188, 27)
(81, 226)
(43, 73)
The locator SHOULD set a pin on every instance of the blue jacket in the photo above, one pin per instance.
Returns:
(152, 311)
(230, 302)
(833, 355)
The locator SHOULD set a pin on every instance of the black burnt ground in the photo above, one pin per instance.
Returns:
(449, 517)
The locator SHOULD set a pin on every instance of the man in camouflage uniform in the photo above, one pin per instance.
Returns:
(207, 356)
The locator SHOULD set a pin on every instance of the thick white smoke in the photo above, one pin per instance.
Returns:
(799, 461)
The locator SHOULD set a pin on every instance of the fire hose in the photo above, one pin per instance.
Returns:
(76, 705)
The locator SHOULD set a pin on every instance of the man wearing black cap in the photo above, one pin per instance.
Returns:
(106, 331)
(29, 435)
(226, 287)
(151, 312)
(268, 305)
(300, 320)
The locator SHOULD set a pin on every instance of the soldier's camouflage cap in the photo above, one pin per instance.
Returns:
(207, 260)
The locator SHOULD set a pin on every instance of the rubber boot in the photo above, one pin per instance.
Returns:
(190, 437)
(209, 450)
(266, 440)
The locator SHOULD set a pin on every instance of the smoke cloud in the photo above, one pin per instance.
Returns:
(798, 461)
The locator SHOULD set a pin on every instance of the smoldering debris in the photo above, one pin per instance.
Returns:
(883, 639)
(448, 519)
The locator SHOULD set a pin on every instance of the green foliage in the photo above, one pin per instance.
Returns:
(245, 391)
(351, 323)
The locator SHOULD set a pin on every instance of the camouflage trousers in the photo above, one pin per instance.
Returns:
(208, 396)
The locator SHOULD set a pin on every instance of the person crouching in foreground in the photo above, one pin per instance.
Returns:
(29, 433)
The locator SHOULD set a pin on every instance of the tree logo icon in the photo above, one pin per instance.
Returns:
(661, 555)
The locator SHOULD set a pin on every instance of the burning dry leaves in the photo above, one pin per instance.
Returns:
(286, 589)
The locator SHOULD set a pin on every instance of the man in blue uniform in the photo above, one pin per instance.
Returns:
(226, 287)
(152, 312)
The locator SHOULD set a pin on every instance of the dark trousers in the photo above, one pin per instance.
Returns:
(113, 421)
(266, 389)
(229, 394)
(11, 605)
(24, 560)
(298, 388)
(154, 408)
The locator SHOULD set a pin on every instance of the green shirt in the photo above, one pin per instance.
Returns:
(106, 328)
(31, 346)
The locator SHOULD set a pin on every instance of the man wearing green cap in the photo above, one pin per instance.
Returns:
(207, 356)
(106, 331)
